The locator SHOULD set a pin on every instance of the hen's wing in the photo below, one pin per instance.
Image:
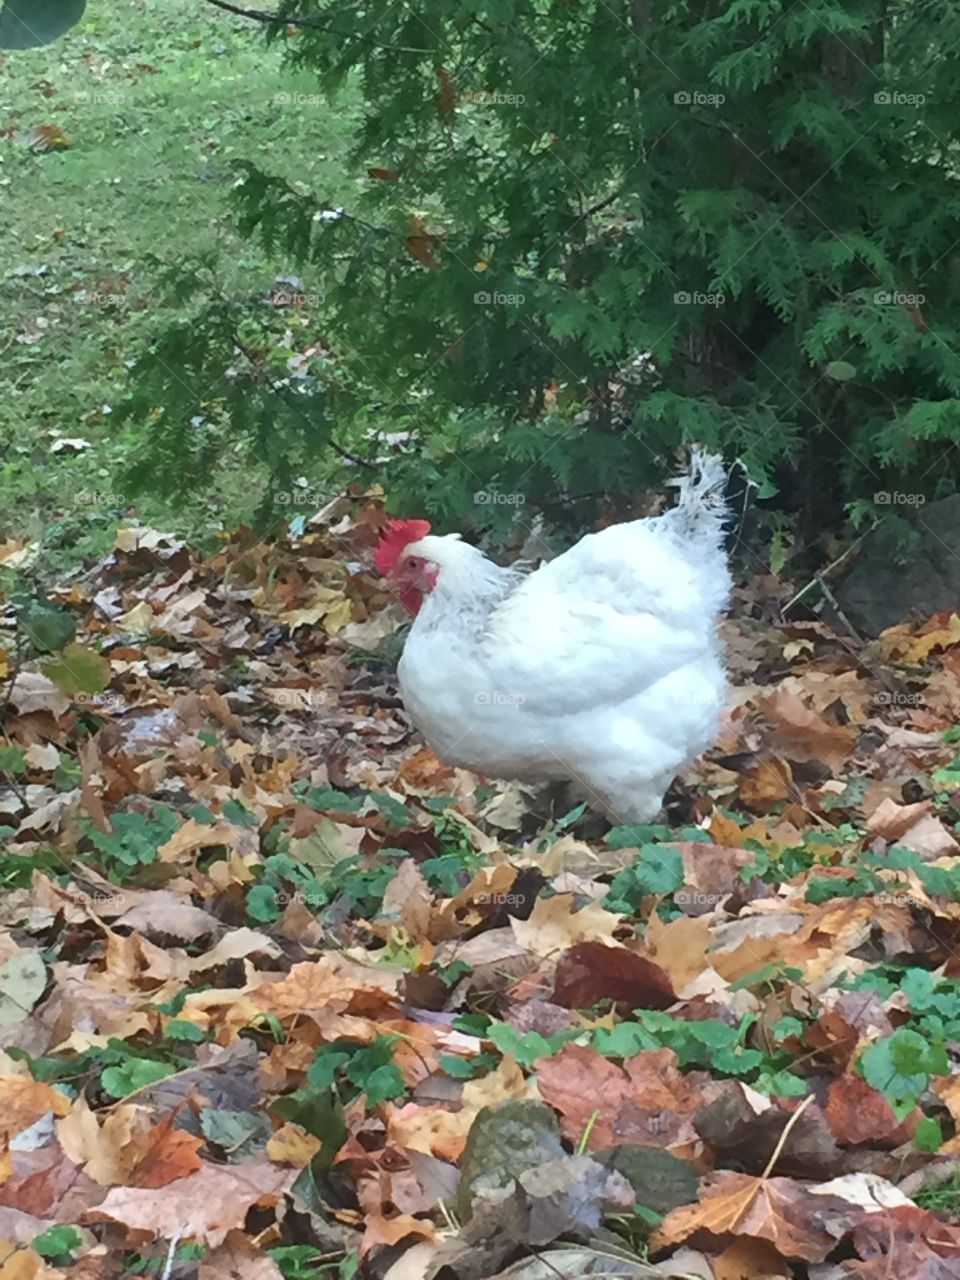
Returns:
(603, 621)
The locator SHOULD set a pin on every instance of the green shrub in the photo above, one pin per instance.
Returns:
(582, 234)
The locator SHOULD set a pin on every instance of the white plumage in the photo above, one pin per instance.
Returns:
(601, 668)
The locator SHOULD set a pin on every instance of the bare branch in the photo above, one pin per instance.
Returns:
(313, 24)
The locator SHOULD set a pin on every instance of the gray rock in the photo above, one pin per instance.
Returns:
(878, 592)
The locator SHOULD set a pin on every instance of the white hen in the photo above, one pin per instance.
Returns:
(601, 668)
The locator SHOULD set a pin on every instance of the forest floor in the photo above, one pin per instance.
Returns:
(283, 996)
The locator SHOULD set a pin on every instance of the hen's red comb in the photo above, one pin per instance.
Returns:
(396, 534)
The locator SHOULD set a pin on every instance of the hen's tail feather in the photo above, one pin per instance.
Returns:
(701, 509)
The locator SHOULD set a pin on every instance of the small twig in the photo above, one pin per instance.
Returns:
(312, 24)
(786, 1134)
(602, 204)
(348, 456)
(830, 571)
(832, 601)
(582, 1144)
(452, 1223)
(168, 1265)
(17, 663)
(282, 391)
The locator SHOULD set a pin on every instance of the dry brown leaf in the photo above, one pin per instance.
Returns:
(648, 1100)
(381, 1230)
(858, 1113)
(163, 915)
(18, 1262)
(443, 1133)
(23, 1101)
(748, 1259)
(420, 243)
(333, 982)
(900, 644)
(126, 1148)
(237, 1258)
(555, 924)
(679, 947)
(203, 1206)
(930, 839)
(163, 1154)
(765, 784)
(780, 1210)
(803, 734)
(103, 1149)
(408, 901)
(291, 1144)
(33, 691)
(195, 835)
(890, 820)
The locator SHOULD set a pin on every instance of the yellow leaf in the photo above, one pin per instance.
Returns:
(337, 617)
(24, 1101)
(139, 618)
(555, 925)
(293, 1145)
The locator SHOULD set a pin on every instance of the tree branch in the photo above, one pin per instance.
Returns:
(312, 24)
(291, 401)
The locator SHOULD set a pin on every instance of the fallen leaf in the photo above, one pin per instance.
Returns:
(593, 971)
(205, 1205)
(237, 1258)
(556, 924)
(765, 784)
(23, 1101)
(798, 1223)
(46, 137)
(23, 979)
(420, 243)
(803, 734)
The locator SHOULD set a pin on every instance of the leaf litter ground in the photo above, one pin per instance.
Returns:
(283, 996)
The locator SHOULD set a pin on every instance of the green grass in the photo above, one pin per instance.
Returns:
(157, 102)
